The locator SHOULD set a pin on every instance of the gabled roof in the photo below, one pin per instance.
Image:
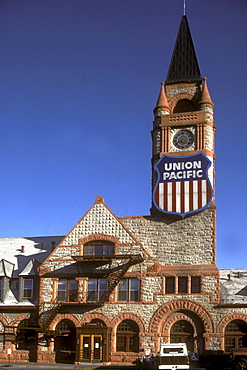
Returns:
(99, 220)
(30, 268)
(184, 66)
(99, 223)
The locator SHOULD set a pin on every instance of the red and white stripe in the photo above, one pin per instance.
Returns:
(183, 197)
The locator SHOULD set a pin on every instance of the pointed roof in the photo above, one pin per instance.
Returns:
(162, 101)
(205, 97)
(184, 66)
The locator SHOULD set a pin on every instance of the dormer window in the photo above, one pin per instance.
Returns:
(27, 288)
(98, 249)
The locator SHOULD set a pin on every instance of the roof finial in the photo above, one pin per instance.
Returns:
(184, 7)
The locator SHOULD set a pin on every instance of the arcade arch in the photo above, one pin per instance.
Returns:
(183, 318)
(65, 341)
(233, 331)
(127, 333)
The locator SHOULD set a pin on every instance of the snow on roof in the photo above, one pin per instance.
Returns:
(233, 284)
(19, 251)
(6, 268)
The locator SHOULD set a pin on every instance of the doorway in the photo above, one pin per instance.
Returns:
(90, 348)
(65, 341)
(26, 339)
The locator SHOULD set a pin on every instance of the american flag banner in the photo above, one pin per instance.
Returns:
(183, 186)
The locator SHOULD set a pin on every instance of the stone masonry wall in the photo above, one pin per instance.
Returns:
(186, 242)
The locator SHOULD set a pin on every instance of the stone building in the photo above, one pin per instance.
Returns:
(115, 287)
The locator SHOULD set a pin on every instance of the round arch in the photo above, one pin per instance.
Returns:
(159, 323)
(177, 317)
(184, 106)
(18, 318)
(225, 321)
(65, 342)
(127, 316)
(64, 316)
(231, 317)
(182, 96)
(98, 237)
(92, 316)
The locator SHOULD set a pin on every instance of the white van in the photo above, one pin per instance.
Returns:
(173, 356)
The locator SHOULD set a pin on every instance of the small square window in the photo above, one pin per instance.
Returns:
(182, 284)
(195, 284)
(170, 284)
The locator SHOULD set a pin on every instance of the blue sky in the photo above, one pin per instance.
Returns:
(78, 83)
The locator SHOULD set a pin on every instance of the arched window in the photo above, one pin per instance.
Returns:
(182, 332)
(235, 334)
(183, 105)
(64, 326)
(98, 248)
(127, 336)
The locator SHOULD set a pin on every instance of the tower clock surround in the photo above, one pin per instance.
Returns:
(183, 139)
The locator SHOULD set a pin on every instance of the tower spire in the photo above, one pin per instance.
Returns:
(184, 66)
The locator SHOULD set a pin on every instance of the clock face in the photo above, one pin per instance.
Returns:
(183, 139)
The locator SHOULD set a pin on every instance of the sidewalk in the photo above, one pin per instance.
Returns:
(47, 366)
(56, 366)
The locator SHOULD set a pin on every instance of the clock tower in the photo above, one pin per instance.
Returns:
(183, 136)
